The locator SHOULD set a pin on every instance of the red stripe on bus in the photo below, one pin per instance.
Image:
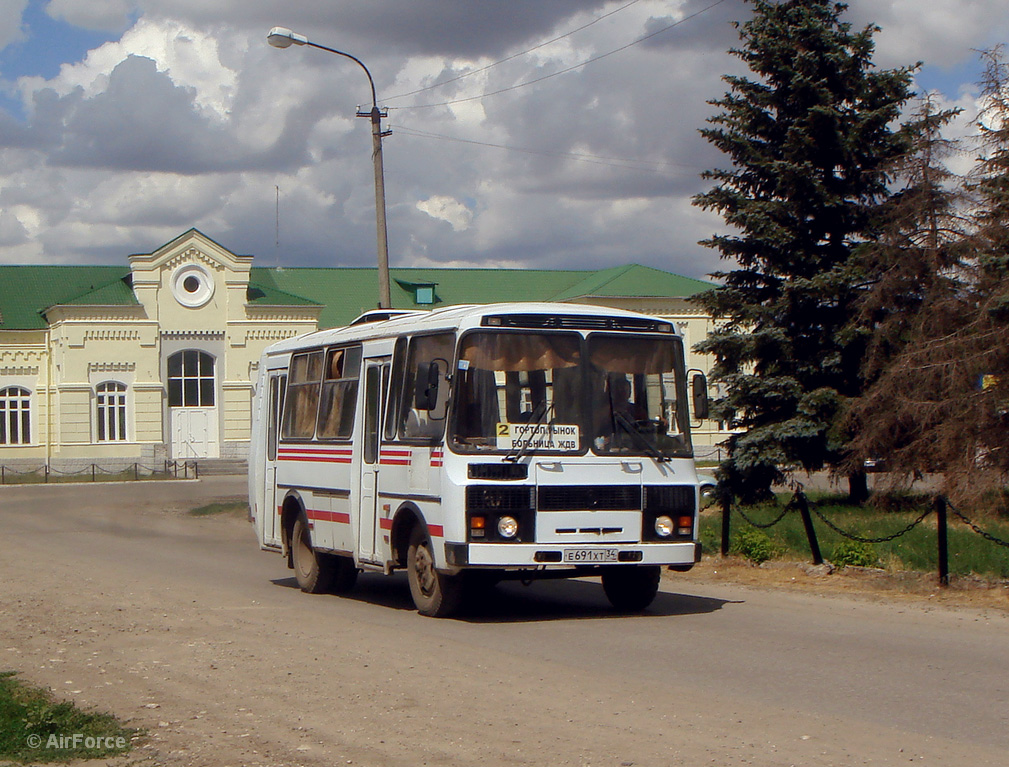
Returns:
(329, 516)
(316, 459)
(316, 450)
(385, 524)
(436, 531)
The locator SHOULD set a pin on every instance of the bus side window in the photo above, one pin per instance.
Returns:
(278, 384)
(301, 405)
(424, 350)
(339, 393)
(392, 410)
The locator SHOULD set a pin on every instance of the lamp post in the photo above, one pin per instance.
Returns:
(281, 37)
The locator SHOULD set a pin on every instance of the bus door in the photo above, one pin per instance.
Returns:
(275, 406)
(376, 383)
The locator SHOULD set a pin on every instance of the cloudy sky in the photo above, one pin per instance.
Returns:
(125, 122)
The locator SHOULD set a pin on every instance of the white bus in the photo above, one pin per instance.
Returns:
(475, 443)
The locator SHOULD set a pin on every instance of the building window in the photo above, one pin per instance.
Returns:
(191, 379)
(15, 416)
(111, 410)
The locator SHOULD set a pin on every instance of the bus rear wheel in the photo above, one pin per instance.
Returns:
(314, 571)
(631, 588)
(435, 594)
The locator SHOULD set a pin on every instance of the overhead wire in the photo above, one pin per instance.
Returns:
(571, 68)
(514, 55)
(652, 166)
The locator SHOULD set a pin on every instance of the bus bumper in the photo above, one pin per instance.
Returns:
(679, 555)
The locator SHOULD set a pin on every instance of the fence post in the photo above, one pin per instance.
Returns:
(3, 472)
(46, 467)
(807, 522)
(196, 470)
(940, 513)
(92, 472)
(726, 499)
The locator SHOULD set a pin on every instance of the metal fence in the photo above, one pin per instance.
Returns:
(10, 475)
(799, 503)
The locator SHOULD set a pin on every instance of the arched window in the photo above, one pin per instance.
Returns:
(110, 399)
(15, 416)
(191, 379)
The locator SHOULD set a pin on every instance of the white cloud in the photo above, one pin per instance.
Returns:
(447, 209)
(105, 15)
(190, 119)
(11, 12)
(191, 57)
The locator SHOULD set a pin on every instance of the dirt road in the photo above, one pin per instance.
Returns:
(116, 598)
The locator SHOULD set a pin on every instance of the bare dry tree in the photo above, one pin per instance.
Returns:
(939, 311)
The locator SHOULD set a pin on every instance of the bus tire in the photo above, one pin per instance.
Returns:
(314, 571)
(631, 588)
(435, 594)
(344, 575)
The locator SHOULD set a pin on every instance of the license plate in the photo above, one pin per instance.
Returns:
(590, 555)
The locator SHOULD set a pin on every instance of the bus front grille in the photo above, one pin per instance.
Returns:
(594, 497)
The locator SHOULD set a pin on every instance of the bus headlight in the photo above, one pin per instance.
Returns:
(507, 527)
(663, 526)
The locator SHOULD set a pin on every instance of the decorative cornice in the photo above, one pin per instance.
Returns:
(203, 335)
(63, 313)
(111, 367)
(24, 370)
(111, 335)
(270, 335)
(188, 256)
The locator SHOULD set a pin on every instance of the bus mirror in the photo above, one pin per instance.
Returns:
(428, 378)
(699, 396)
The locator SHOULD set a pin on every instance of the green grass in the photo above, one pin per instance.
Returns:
(969, 553)
(229, 508)
(35, 727)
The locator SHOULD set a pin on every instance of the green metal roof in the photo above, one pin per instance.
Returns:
(343, 293)
(27, 291)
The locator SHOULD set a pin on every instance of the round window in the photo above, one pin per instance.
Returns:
(192, 285)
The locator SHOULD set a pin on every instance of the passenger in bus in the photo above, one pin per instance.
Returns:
(614, 406)
(620, 399)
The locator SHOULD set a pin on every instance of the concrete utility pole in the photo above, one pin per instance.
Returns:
(281, 37)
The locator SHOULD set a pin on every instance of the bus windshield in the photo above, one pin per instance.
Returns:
(519, 392)
(638, 391)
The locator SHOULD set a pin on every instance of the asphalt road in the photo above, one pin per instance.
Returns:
(115, 597)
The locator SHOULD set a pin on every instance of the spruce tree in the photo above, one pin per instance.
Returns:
(810, 138)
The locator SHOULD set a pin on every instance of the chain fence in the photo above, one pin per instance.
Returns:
(862, 539)
(973, 526)
(45, 473)
(799, 502)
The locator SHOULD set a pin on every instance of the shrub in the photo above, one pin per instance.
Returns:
(753, 545)
(854, 554)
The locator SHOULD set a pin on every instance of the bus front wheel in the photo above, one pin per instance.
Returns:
(314, 571)
(631, 588)
(435, 594)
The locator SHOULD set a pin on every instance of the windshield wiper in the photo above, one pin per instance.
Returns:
(649, 447)
(525, 445)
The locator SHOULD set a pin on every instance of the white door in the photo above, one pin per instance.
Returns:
(193, 420)
(271, 523)
(194, 433)
(376, 375)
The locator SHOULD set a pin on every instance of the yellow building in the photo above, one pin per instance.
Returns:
(155, 360)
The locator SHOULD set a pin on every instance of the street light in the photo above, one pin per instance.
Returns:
(281, 37)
